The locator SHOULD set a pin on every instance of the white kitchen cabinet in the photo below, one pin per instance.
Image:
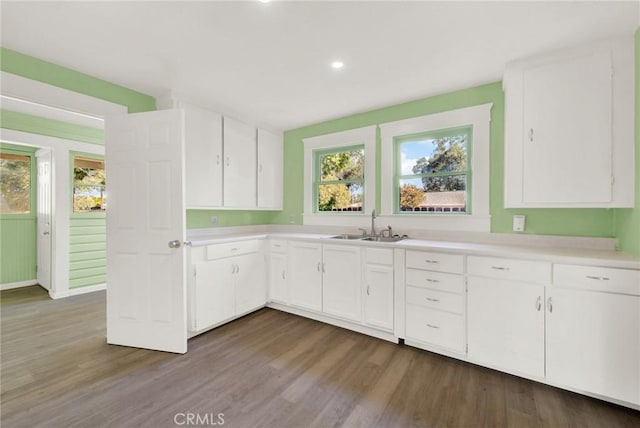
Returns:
(228, 280)
(505, 302)
(435, 311)
(341, 281)
(568, 105)
(378, 288)
(203, 157)
(214, 294)
(278, 289)
(506, 324)
(239, 164)
(304, 267)
(270, 170)
(593, 337)
(250, 284)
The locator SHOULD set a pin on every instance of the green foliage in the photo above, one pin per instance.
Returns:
(410, 196)
(341, 166)
(450, 155)
(15, 186)
(88, 189)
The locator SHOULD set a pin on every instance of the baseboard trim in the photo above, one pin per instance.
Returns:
(11, 285)
(77, 291)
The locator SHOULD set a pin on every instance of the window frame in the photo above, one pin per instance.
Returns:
(478, 118)
(32, 182)
(468, 173)
(317, 178)
(72, 157)
(339, 141)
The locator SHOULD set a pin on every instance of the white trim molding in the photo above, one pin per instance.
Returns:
(365, 136)
(41, 99)
(479, 118)
(77, 291)
(19, 284)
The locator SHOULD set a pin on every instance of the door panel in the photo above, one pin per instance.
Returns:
(146, 293)
(44, 218)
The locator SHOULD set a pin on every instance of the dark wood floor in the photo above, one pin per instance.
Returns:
(269, 369)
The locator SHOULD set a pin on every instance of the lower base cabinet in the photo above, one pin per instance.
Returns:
(228, 280)
(593, 342)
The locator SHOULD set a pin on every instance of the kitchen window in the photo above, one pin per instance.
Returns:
(435, 170)
(339, 179)
(16, 176)
(432, 172)
(89, 185)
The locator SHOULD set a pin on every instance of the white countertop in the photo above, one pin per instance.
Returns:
(593, 257)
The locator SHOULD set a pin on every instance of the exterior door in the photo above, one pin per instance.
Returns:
(146, 282)
(43, 163)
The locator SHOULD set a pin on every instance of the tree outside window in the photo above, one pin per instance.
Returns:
(340, 179)
(89, 185)
(15, 183)
(432, 172)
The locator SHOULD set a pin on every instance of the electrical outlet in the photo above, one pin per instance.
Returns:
(214, 220)
(519, 223)
(291, 219)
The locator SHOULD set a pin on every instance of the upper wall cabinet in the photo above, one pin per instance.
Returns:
(270, 160)
(203, 157)
(239, 164)
(569, 128)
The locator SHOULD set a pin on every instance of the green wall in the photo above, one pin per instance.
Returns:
(627, 221)
(202, 218)
(574, 222)
(18, 233)
(22, 235)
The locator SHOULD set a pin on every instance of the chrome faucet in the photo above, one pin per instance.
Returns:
(373, 223)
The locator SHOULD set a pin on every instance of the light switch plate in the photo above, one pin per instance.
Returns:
(519, 223)
(214, 220)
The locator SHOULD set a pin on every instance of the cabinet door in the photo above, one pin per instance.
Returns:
(251, 292)
(567, 130)
(304, 266)
(378, 296)
(239, 164)
(203, 158)
(341, 281)
(506, 325)
(214, 296)
(278, 278)
(593, 342)
(270, 158)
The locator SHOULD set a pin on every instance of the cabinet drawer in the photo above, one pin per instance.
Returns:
(518, 270)
(277, 246)
(229, 249)
(450, 302)
(612, 280)
(435, 261)
(379, 256)
(436, 327)
(436, 280)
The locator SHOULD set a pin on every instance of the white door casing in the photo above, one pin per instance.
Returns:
(146, 293)
(44, 225)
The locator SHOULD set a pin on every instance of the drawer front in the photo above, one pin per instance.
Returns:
(436, 327)
(379, 256)
(450, 302)
(626, 281)
(435, 261)
(511, 269)
(230, 249)
(435, 280)
(277, 246)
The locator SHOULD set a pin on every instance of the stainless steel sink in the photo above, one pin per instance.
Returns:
(384, 238)
(347, 236)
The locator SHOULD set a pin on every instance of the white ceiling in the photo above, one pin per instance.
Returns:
(269, 63)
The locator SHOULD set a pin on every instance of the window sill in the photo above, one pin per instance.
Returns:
(400, 222)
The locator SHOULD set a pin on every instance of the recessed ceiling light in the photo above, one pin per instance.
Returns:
(337, 64)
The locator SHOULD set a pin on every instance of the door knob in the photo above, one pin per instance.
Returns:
(175, 244)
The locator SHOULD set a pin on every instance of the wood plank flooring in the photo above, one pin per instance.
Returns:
(269, 369)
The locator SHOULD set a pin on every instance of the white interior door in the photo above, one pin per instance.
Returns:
(146, 282)
(43, 162)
